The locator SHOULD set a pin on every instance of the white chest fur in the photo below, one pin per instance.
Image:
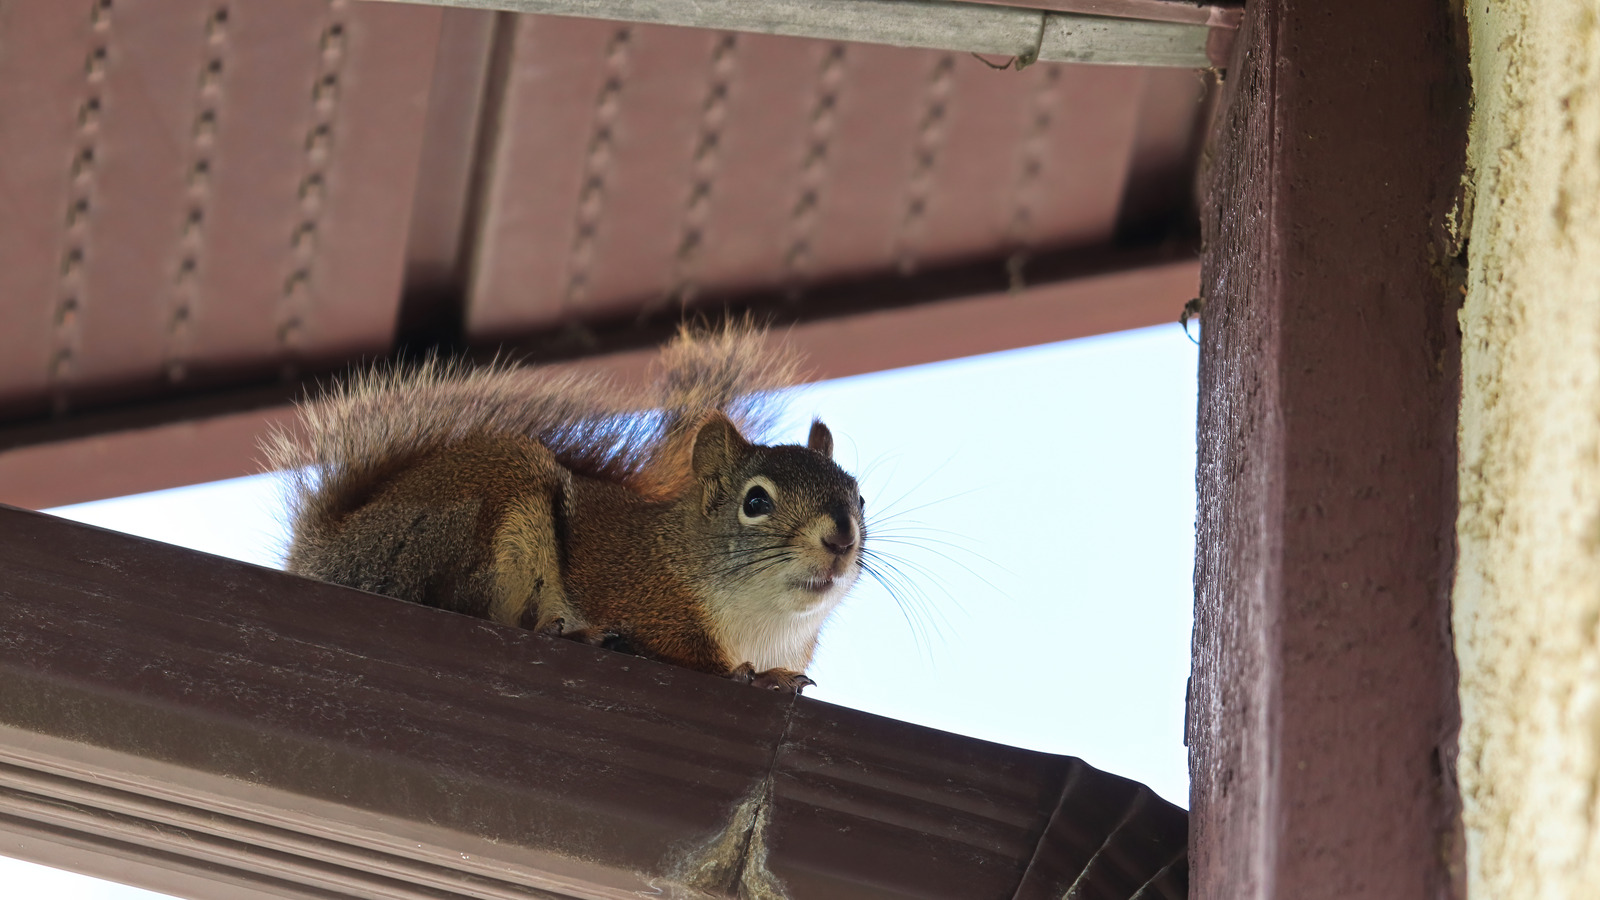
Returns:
(775, 629)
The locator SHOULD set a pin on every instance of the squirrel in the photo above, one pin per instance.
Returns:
(566, 505)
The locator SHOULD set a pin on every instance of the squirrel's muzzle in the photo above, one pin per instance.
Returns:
(842, 539)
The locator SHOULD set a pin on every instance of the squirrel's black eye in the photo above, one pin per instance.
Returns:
(757, 502)
(863, 502)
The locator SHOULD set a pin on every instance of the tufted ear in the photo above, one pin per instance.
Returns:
(718, 447)
(821, 439)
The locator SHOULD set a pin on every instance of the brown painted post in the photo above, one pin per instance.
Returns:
(1323, 707)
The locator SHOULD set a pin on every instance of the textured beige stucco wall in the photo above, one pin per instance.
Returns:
(1527, 596)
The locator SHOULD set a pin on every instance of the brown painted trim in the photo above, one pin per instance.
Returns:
(116, 463)
(196, 724)
(856, 329)
(1002, 320)
(1323, 706)
(1047, 297)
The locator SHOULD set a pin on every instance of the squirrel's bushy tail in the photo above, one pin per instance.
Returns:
(733, 370)
(359, 433)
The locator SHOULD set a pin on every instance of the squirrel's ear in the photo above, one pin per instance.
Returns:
(717, 445)
(821, 439)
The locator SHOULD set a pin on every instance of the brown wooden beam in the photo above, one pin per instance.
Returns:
(842, 331)
(1323, 708)
(220, 730)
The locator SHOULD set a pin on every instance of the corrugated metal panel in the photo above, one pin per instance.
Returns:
(546, 162)
(204, 201)
(197, 186)
(713, 164)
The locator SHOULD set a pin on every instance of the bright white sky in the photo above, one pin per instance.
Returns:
(1041, 502)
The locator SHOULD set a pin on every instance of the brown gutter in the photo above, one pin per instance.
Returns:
(196, 724)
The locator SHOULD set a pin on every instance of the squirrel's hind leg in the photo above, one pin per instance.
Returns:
(527, 569)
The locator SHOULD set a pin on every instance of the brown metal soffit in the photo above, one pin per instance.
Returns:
(215, 729)
(863, 327)
(207, 203)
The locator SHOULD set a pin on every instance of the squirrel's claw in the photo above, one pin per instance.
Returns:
(786, 680)
(594, 637)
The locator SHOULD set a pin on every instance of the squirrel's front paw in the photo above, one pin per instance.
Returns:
(594, 637)
(786, 680)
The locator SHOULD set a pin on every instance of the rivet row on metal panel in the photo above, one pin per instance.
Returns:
(295, 303)
(814, 168)
(715, 165)
(172, 170)
(185, 299)
(70, 295)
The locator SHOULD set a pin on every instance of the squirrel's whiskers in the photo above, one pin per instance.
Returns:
(891, 562)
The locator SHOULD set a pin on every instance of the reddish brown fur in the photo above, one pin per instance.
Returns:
(555, 503)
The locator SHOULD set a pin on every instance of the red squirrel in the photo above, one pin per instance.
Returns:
(566, 505)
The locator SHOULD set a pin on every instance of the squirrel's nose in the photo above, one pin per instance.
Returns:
(842, 538)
